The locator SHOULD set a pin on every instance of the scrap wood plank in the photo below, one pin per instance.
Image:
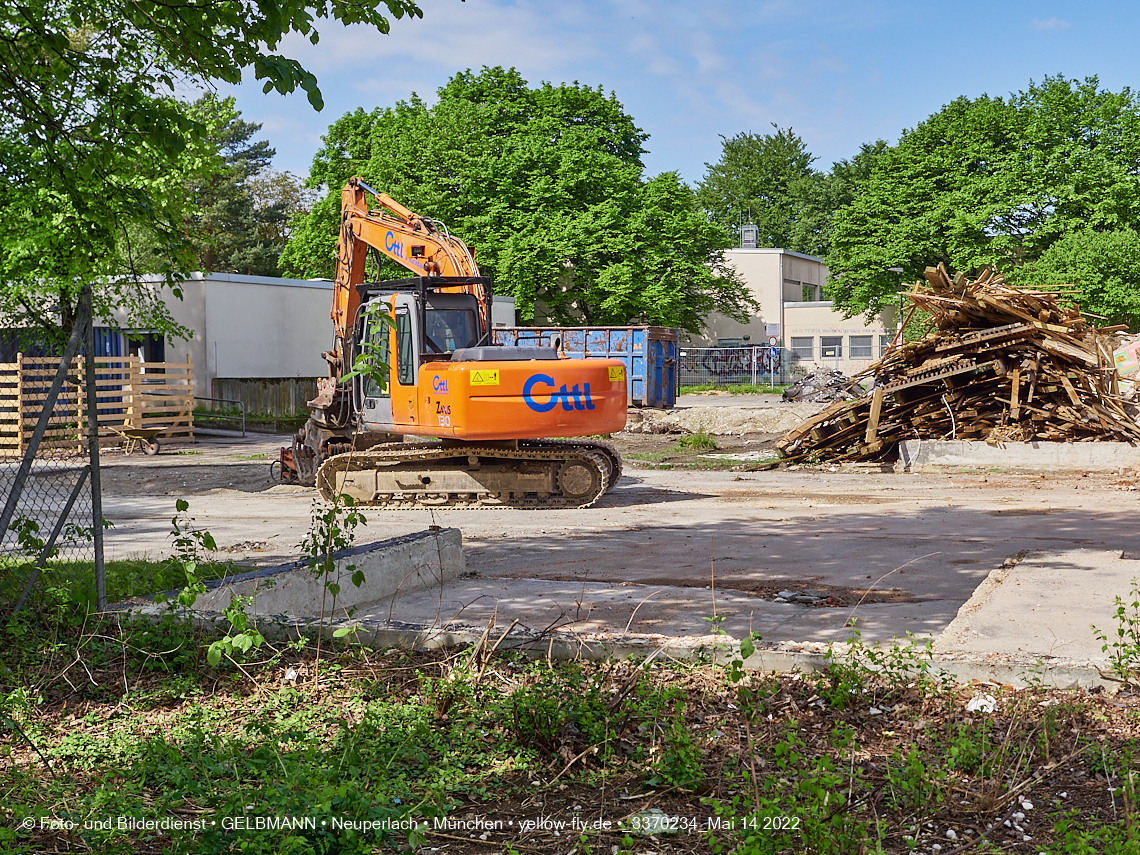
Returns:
(1072, 392)
(978, 336)
(922, 379)
(1068, 350)
(873, 419)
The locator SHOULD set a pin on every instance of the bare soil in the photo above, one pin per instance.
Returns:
(188, 470)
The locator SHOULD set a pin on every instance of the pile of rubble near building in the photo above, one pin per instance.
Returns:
(823, 386)
(999, 364)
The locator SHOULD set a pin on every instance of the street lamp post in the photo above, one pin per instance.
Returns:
(898, 271)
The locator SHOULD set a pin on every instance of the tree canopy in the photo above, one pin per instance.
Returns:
(768, 180)
(546, 182)
(764, 179)
(228, 230)
(89, 136)
(1033, 185)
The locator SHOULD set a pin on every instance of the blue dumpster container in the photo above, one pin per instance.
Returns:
(649, 354)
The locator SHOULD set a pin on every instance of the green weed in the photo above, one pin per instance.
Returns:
(699, 440)
(733, 389)
(1125, 647)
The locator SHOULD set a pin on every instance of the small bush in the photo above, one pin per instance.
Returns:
(700, 440)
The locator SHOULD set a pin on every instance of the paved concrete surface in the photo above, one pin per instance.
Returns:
(1044, 606)
(645, 556)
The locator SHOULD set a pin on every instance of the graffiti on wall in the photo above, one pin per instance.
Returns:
(724, 364)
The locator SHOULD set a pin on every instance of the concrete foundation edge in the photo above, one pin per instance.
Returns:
(916, 455)
(412, 562)
(1016, 672)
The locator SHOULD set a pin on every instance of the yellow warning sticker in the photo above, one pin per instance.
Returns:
(617, 372)
(485, 378)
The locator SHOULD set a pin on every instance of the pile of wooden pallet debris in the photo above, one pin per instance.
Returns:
(999, 364)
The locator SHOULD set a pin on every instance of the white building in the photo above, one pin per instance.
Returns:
(257, 339)
(791, 290)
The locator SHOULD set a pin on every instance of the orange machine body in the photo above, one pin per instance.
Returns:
(482, 401)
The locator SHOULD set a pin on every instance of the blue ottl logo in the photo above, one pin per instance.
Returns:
(575, 398)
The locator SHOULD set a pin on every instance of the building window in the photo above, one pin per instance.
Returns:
(885, 344)
(861, 347)
(831, 347)
(809, 293)
(803, 348)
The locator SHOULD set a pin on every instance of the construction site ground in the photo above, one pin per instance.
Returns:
(993, 565)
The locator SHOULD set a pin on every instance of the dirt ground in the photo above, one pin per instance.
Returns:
(908, 550)
(211, 465)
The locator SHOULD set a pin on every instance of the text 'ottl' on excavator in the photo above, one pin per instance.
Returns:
(458, 422)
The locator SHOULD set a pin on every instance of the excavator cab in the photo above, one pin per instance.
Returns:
(429, 326)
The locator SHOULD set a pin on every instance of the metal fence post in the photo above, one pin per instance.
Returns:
(93, 449)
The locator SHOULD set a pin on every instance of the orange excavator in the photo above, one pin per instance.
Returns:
(457, 422)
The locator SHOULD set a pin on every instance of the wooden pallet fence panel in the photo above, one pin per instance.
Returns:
(129, 394)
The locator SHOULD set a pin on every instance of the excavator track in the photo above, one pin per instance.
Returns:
(539, 474)
(594, 445)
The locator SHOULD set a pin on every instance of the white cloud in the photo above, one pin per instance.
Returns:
(1049, 24)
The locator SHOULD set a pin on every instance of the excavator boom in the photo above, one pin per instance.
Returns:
(418, 243)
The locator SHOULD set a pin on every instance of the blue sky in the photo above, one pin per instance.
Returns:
(838, 73)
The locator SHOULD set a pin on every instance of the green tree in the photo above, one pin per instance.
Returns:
(222, 221)
(1105, 266)
(88, 139)
(990, 181)
(810, 229)
(769, 180)
(765, 179)
(546, 183)
(279, 198)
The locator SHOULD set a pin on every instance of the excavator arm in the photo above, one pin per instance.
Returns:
(418, 243)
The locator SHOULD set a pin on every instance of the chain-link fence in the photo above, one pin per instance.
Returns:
(49, 476)
(730, 366)
(60, 462)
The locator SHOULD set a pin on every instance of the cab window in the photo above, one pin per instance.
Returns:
(405, 352)
(450, 329)
(377, 335)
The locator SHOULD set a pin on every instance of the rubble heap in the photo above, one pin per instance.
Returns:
(819, 387)
(999, 364)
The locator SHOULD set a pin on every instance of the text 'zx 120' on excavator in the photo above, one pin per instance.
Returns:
(491, 412)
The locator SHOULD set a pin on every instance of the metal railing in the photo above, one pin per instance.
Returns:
(223, 416)
(728, 366)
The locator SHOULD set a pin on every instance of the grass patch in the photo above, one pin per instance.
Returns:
(261, 456)
(699, 440)
(734, 389)
(875, 754)
(187, 453)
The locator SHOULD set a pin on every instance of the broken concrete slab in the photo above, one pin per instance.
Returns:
(916, 455)
(1043, 606)
(412, 563)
